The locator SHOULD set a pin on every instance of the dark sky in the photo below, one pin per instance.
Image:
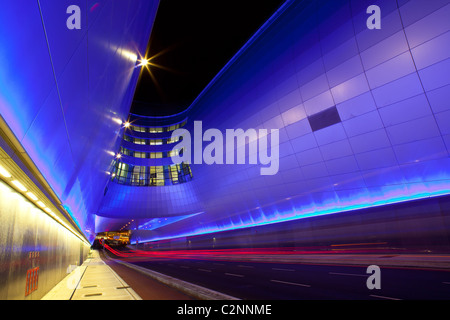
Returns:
(194, 39)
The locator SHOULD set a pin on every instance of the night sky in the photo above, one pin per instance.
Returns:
(193, 40)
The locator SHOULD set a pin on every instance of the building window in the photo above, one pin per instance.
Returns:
(138, 129)
(173, 153)
(151, 176)
(156, 130)
(173, 170)
(176, 139)
(139, 141)
(156, 142)
(152, 142)
(151, 155)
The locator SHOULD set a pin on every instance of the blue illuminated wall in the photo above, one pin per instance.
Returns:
(363, 115)
(65, 92)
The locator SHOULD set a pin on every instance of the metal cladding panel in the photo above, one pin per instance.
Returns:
(64, 92)
(388, 143)
(137, 202)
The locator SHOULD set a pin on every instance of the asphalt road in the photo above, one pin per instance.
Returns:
(280, 281)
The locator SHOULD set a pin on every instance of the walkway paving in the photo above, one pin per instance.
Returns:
(146, 285)
(93, 280)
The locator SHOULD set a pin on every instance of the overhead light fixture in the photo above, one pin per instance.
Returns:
(143, 62)
(126, 124)
(19, 185)
(119, 156)
(31, 196)
(4, 173)
(40, 204)
(116, 120)
(129, 55)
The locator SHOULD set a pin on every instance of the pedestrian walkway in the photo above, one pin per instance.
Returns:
(93, 280)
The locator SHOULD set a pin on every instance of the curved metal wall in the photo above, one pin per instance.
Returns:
(386, 90)
(135, 202)
(135, 198)
(65, 92)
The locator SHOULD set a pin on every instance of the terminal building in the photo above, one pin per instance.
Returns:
(362, 115)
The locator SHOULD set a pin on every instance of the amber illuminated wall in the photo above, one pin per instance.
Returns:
(36, 251)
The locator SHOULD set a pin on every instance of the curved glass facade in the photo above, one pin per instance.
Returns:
(151, 155)
(169, 128)
(151, 142)
(152, 173)
(151, 176)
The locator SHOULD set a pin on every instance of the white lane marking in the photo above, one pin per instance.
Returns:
(233, 274)
(282, 269)
(348, 274)
(205, 270)
(382, 297)
(446, 282)
(291, 283)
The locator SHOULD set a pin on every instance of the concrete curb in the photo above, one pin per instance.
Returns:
(191, 289)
